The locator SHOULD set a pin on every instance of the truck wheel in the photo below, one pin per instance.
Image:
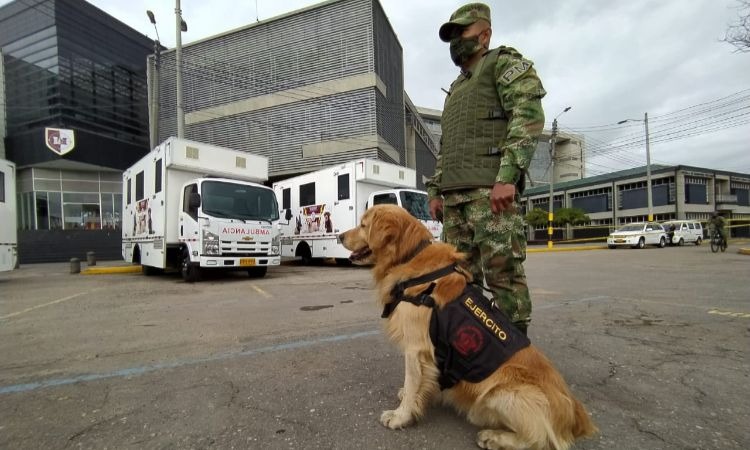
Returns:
(681, 243)
(149, 270)
(189, 271)
(662, 242)
(304, 252)
(257, 272)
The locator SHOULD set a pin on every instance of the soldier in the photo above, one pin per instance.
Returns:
(717, 225)
(491, 121)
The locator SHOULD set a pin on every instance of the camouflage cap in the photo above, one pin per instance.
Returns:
(464, 16)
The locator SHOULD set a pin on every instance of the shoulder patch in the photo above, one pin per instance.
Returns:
(515, 71)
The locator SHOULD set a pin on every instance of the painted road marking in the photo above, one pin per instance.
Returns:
(44, 305)
(730, 313)
(135, 371)
(261, 291)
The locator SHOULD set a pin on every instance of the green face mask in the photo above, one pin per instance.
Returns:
(464, 48)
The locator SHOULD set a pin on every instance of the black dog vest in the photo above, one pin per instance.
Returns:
(472, 337)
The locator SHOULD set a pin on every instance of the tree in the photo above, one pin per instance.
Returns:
(537, 218)
(570, 216)
(738, 34)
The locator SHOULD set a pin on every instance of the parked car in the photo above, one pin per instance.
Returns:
(638, 235)
(685, 231)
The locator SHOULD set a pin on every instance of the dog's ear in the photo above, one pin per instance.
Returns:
(382, 231)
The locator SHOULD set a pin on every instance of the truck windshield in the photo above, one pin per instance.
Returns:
(416, 203)
(238, 201)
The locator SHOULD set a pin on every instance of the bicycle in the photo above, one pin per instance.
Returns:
(717, 242)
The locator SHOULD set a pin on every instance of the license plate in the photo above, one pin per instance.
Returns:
(247, 261)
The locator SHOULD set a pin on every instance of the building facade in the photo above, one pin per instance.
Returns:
(66, 65)
(308, 89)
(678, 192)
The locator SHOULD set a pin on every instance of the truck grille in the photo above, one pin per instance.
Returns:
(245, 248)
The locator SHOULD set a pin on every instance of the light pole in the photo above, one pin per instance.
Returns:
(154, 134)
(648, 165)
(552, 143)
(180, 26)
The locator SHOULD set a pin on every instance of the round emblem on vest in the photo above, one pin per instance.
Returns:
(468, 340)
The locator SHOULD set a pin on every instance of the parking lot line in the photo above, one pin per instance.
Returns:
(140, 370)
(44, 305)
(261, 291)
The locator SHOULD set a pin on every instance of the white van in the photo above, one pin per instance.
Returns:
(685, 231)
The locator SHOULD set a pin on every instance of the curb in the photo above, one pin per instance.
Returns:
(111, 270)
(744, 251)
(566, 249)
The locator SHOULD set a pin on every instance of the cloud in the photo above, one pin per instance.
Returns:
(608, 60)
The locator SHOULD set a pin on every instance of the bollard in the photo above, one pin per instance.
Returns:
(75, 265)
(91, 258)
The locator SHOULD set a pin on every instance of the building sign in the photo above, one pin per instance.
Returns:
(60, 141)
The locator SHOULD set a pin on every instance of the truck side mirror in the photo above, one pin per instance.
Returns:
(194, 201)
(288, 215)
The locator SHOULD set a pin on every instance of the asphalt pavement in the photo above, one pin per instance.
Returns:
(654, 342)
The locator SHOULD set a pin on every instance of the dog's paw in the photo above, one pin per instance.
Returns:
(396, 419)
(499, 440)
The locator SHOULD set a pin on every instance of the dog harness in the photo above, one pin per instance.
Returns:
(472, 337)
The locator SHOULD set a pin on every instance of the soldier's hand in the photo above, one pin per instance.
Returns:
(436, 209)
(502, 197)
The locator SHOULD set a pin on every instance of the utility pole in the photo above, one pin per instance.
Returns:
(648, 165)
(552, 144)
(648, 172)
(178, 63)
(154, 86)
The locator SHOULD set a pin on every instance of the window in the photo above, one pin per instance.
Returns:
(192, 212)
(139, 186)
(286, 198)
(157, 176)
(128, 201)
(307, 194)
(689, 225)
(2, 187)
(343, 186)
(385, 199)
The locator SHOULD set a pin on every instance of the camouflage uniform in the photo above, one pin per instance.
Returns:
(718, 224)
(496, 243)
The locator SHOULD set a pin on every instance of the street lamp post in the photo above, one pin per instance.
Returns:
(552, 143)
(648, 164)
(154, 88)
(180, 26)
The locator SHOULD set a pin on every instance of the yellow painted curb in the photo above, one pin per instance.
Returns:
(744, 251)
(566, 249)
(110, 270)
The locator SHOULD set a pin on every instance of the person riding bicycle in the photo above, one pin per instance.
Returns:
(717, 224)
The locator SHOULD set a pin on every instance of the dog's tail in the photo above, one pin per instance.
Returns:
(583, 426)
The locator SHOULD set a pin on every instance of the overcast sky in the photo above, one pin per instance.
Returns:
(608, 60)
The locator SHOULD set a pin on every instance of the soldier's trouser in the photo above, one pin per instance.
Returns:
(496, 245)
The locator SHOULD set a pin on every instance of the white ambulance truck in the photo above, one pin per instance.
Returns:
(317, 206)
(8, 233)
(194, 207)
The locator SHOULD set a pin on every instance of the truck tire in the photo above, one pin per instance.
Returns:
(150, 271)
(304, 252)
(257, 272)
(189, 271)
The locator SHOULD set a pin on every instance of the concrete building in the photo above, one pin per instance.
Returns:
(73, 84)
(678, 192)
(307, 89)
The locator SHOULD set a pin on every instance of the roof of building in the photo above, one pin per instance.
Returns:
(624, 174)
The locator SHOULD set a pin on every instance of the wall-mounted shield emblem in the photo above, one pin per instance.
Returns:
(59, 140)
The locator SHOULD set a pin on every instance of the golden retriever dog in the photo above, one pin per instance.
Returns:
(523, 404)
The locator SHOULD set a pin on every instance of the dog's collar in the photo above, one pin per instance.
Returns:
(424, 298)
(421, 246)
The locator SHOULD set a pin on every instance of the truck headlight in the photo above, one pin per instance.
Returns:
(210, 243)
(275, 245)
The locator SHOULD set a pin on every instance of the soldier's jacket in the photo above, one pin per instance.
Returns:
(519, 91)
